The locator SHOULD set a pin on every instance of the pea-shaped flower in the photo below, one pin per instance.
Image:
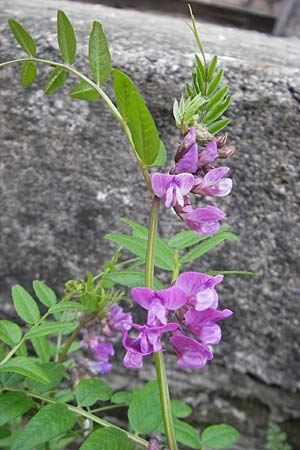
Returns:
(172, 188)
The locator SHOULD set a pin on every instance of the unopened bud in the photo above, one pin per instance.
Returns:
(226, 152)
(153, 444)
(221, 139)
(182, 150)
(204, 135)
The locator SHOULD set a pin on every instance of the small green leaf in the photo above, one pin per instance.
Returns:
(219, 436)
(10, 332)
(107, 439)
(218, 126)
(99, 55)
(4, 433)
(212, 67)
(215, 82)
(92, 390)
(121, 397)
(24, 366)
(45, 294)
(12, 405)
(131, 278)
(25, 306)
(84, 91)
(66, 38)
(28, 73)
(217, 97)
(207, 245)
(189, 91)
(66, 305)
(217, 111)
(161, 157)
(49, 422)
(42, 348)
(186, 434)
(180, 409)
(144, 412)
(229, 272)
(50, 328)
(56, 80)
(54, 371)
(200, 67)
(140, 121)
(22, 37)
(188, 238)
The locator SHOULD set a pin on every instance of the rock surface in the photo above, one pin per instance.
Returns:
(67, 176)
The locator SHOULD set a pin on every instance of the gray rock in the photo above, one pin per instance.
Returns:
(67, 176)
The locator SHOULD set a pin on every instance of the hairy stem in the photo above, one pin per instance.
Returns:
(81, 412)
(114, 110)
(158, 356)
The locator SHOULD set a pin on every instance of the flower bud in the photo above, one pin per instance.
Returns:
(153, 444)
(226, 152)
(182, 150)
(221, 139)
(204, 135)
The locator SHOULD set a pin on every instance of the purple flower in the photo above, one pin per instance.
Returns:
(199, 289)
(190, 138)
(191, 354)
(147, 342)
(213, 183)
(189, 162)
(172, 188)
(118, 319)
(158, 303)
(203, 324)
(208, 155)
(204, 220)
(101, 351)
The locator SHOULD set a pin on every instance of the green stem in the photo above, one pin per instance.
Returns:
(106, 408)
(69, 342)
(81, 412)
(104, 97)
(16, 347)
(158, 356)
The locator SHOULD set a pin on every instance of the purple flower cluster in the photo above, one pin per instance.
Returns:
(193, 303)
(194, 174)
(114, 321)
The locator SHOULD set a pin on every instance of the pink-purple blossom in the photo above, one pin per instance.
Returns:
(204, 220)
(203, 324)
(208, 155)
(172, 188)
(199, 289)
(101, 352)
(191, 354)
(213, 183)
(147, 342)
(158, 303)
(189, 162)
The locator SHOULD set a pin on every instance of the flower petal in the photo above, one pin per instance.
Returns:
(206, 298)
(209, 154)
(172, 298)
(143, 296)
(191, 282)
(191, 354)
(160, 183)
(133, 360)
(185, 182)
(189, 162)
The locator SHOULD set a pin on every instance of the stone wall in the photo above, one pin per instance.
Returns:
(67, 176)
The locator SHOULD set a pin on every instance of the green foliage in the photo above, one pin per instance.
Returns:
(42, 348)
(219, 436)
(12, 405)
(107, 439)
(84, 91)
(122, 397)
(99, 55)
(55, 372)
(276, 439)
(131, 278)
(186, 434)
(25, 366)
(56, 80)
(28, 73)
(10, 333)
(161, 157)
(207, 245)
(50, 328)
(134, 110)
(66, 38)
(22, 37)
(48, 423)
(144, 411)
(25, 306)
(44, 293)
(92, 390)
(180, 409)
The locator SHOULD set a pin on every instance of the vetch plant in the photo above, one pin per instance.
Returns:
(51, 391)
